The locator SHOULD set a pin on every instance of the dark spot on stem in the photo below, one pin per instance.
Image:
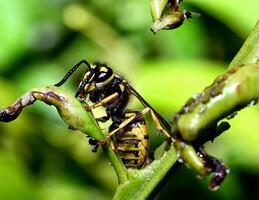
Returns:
(208, 93)
(54, 95)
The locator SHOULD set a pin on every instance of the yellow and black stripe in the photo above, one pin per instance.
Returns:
(132, 143)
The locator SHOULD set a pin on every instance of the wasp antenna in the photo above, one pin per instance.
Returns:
(71, 71)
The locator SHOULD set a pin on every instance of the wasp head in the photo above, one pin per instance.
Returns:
(97, 77)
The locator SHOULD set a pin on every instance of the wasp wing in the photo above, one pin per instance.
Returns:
(146, 104)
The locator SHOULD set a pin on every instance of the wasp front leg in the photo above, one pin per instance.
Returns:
(103, 102)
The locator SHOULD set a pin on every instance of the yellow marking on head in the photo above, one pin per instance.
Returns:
(103, 69)
(89, 87)
(86, 75)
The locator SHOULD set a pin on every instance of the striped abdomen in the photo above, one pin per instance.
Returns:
(132, 143)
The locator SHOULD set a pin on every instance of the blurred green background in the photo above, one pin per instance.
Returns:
(40, 158)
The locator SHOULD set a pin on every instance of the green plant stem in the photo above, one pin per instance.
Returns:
(141, 184)
(117, 164)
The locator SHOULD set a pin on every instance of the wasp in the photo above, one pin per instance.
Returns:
(128, 133)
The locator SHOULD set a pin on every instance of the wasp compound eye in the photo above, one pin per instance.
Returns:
(103, 77)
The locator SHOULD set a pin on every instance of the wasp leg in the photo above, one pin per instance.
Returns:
(157, 123)
(113, 146)
(103, 119)
(103, 101)
(131, 116)
(203, 163)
